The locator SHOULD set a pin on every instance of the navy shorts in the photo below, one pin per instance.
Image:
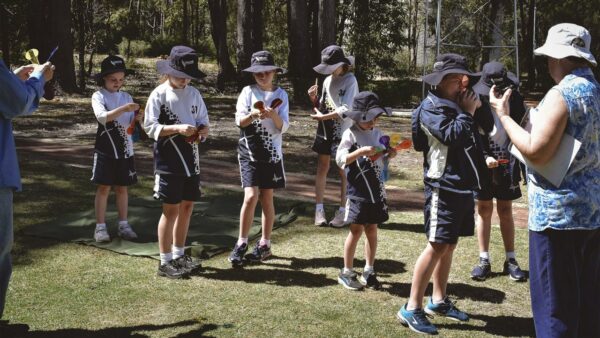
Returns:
(263, 175)
(448, 215)
(502, 189)
(322, 146)
(172, 189)
(358, 212)
(113, 171)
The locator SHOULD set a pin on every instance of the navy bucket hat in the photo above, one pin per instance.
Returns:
(182, 63)
(449, 64)
(366, 107)
(332, 57)
(494, 73)
(112, 64)
(262, 61)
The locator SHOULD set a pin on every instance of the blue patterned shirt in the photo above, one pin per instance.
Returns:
(576, 203)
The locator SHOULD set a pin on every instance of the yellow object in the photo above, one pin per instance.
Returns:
(32, 55)
(394, 139)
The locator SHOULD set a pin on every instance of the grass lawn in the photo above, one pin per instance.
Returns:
(70, 290)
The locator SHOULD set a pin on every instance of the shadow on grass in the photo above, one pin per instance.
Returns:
(22, 331)
(504, 326)
(416, 228)
(458, 290)
(382, 265)
(281, 277)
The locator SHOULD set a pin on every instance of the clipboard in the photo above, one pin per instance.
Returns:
(556, 169)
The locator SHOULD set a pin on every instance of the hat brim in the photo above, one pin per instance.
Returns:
(483, 88)
(261, 68)
(164, 67)
(326, 69)
(435, 78)
(561, 51)
(371, 114)
(100, 75)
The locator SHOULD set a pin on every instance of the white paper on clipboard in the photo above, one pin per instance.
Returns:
(555, 170)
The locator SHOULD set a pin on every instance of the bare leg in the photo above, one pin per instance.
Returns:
(507, 224)
(247, 211)
(356, 231)
(370, 243)
(165, 227)
(423, 270)
(268, 212)
(122, 201)
(343, 184)
(484, 224)
(100, 203)
(182, 223)
(441, 273)
(321, 179)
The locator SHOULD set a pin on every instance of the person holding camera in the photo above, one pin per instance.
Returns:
(501, 180)
(20, 95)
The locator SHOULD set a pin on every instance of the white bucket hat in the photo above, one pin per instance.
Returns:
(567, 39)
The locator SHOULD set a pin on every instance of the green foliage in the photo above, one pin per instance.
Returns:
(130, 48)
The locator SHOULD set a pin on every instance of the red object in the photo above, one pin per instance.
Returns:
(276, 103)
(131, 127)
(195, 137)
(405, 144)
(502, 161)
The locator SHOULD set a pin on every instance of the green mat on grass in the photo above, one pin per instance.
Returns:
(213, 229)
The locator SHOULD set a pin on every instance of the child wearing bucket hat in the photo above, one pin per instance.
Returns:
(113, 149)
(339, 89)
(500, 180)
(176, 119)
(262, 116)
(366, 205)
(443, 130)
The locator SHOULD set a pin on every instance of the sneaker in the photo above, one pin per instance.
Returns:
(171, 270)
(101, 234)
(349, 280)
(511, 267)
(259, 254)
(320, 219)
(126, 232)
(189, 264)
(338, 220)
(237, 254)
(416, 320)
(369, 279)
(446, 309)
(482, 270)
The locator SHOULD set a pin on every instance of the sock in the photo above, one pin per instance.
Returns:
(347, 270)
(510, 254)
(438, 301)
(177, 251)
(484, 254)
(342, 209)
(319, 207)
(242, 240)
(266, 242)
(100, 225)
(165, 258)
(122, 223)
(368, 268)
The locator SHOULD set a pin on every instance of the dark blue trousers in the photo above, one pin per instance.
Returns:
(565, 282)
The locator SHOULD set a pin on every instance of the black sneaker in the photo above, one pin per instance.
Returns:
(511, 267)
(171, 270)
(237, 254)
(482, 270)
(369, 279)
(189, 264)
(349, 281)
(259, 254)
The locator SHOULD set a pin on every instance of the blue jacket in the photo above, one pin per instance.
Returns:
(16, 98)
(452, 151)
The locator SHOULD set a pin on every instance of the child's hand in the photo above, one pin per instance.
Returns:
(139, 116)
(368, 150)
(267, 113)
(186, 129)
(317, 116)
(312, 92)
(131, 107)
(468, 101)
(491, 162)
(203, 131)
(255, 114)
(391, 153)
(23, 72)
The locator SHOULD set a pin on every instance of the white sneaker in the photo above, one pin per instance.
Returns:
(126, 232)
(101, 235)
(338, 220)
(320, 219)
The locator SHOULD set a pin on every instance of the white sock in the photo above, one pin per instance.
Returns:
(266, 242)
(347, 270)
(123, 223)
(165, 258)
(177, 251)
(100, 225)
(319, 207)
(368, 268)
(485, 255)
(242, 240)
(510, 254)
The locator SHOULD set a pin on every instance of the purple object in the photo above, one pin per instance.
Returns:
(385, 141)
(52, 53)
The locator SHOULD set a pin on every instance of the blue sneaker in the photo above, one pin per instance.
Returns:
(446, 309)
(416, 320)
(511, 267)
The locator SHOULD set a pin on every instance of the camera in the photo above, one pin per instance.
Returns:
(502, 85)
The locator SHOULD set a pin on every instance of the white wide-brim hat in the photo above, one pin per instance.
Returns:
(567, 39)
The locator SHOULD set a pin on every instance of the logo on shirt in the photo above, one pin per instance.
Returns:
(276, 179)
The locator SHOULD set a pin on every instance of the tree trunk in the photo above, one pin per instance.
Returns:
(299, 49)
(498, 9)
(361, 32)
(341, 26)
(249, 35)
(80, 25)
(218, 23)
(327, 23)
(315, 46)
(529, 58)
(186, 24)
